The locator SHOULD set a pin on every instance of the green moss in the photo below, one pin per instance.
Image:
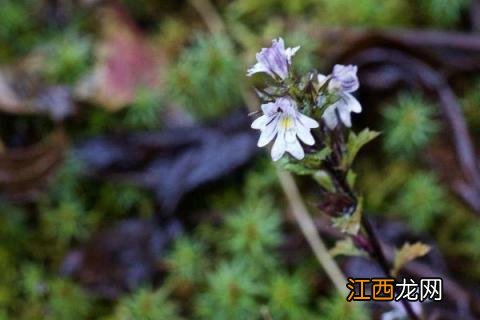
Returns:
(67, 57)
(253, 230)
(147, 304)
(231, 293)
(408, 126)
(17, 33)
(205, 79)
(422, 201)
(365, 12)
(336, 307)
(289, 297)
(443, 13)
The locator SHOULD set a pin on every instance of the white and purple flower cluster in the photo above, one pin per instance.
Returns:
(341, 83)
(281, 119)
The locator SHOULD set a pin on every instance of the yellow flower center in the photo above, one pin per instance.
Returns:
(286, 122)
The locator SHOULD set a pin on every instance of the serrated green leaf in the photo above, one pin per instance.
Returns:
(346, 247)
(408, 253)
(350, 224)
(355, 143)
(315, 159)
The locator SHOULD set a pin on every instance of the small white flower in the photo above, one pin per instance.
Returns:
(274, 60)
(282, 119)
(342, 82)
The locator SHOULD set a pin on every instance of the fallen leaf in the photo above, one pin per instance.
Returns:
(346, 247)
(174, 161)
(408, 253)
(125, 63)
(24, 171)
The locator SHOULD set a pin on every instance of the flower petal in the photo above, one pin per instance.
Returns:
(295, 149)
(290, 52)
(290, 135)
(330, 117)
(353, 103)
(345, 116)
(268, 133)
(260, 122)
(279, 146)
(321, 79)
(269, 108)
(278, 44)
(305, 135)
(275, 58)
(258, 67)
(307, 121)
(346, 77)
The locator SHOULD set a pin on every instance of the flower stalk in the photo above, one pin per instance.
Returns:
(309, 120)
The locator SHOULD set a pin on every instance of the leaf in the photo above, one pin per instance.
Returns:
(314, 160)
(408, 253)
(309, 165)
(126, 62)
(346, 247)
(324, 180)
(355, 143)
(350, 224)
(298, 168)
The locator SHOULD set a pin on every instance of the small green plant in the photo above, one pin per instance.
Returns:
(232, 290)
(336, 307)
(409, 125)
(17, 32)
(147, 304)
(365, 12)
(66, 222)
(443, 12)
(421, 200)
(144, 112)
(186, 263)
(288, 297)
(253, 230)
(51, 298)
(205, 78)
(68, 56)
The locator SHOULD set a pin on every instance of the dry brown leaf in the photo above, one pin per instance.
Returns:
(125, 63)
(408, 253)
(25, 171)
